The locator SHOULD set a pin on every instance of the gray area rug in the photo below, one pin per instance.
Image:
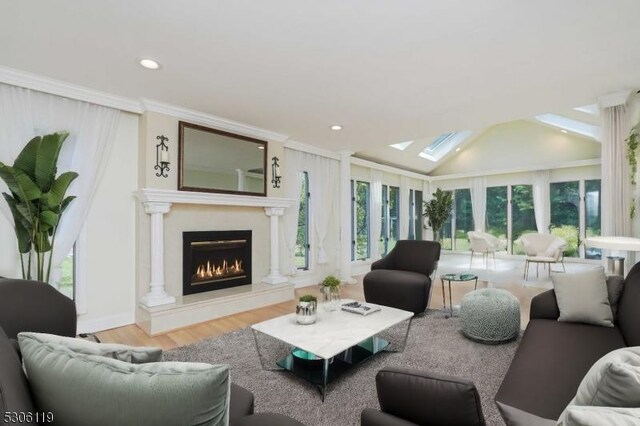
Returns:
(434, 344)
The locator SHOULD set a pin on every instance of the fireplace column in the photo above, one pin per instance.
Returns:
(157, 295)
(274, 276)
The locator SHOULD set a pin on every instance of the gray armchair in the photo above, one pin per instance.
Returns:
(402, 279)
(417, 398)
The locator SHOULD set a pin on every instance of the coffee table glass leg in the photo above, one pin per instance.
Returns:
(325, 377)
(266, 365)
(444, 303)
(450, 300)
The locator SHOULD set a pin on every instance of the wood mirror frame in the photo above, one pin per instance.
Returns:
(225, 141)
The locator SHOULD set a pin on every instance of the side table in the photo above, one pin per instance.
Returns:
(455, 278)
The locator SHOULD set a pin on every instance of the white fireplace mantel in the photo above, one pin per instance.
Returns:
(158, 202)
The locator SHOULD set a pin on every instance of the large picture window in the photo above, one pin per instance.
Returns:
(454, 231)
(592, 215)
(361, 201)
(496, 213)
(302, 241)
(415, 214)
(390, 231)
(523, 218)
(565, 214)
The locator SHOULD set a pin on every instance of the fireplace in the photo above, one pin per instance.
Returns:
(214, 260)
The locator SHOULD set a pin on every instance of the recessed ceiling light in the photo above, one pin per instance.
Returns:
(149, 64)
(458, 149)
(260, 147)
(564, 131)
(336, 127)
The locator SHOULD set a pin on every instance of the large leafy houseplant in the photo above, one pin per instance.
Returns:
(437, 211)
(37, 201)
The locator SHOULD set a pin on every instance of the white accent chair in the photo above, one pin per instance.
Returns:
(481, 242)
(542, 248)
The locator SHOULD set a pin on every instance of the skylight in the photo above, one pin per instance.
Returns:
(588, 109)
(401, 145)
(575, 126)
(443, 144)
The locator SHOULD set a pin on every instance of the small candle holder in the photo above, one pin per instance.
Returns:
(275, 172)
(162, 157)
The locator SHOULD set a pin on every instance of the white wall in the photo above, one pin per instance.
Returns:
(108, 255)
(519, 144)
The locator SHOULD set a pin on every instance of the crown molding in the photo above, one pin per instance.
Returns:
(614, 99)
(309, 149)
(220, 123)
(60, 88)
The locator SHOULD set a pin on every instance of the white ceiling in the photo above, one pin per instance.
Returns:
(389, 71)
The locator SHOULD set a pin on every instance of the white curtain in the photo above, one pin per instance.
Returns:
(541, 200)
(292, 184)
(92, 129)
(376, 212)
(479, 202)
(616, 182)
(324, 179)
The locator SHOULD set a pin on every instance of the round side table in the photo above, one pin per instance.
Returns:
(455, 278)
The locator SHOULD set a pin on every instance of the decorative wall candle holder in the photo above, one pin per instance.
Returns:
(275, 172)
(162, 157)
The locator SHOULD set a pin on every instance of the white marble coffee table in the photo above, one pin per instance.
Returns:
(337, 338)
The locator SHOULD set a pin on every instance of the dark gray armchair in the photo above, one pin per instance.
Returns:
(402, 279)
(417, 398)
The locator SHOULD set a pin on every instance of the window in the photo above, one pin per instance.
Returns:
(302, 241)
(523, 219)
(390, 232)
(496, 213)
(64, 278)
(592, 215)
(459, 223)
(361, 201)
(415, 214)
(565, 214)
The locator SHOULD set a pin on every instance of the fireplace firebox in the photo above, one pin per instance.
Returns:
(214, 260)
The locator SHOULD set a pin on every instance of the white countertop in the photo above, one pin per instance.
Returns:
(613, 243)
(333, 332)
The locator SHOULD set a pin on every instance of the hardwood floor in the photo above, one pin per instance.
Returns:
(132, 335)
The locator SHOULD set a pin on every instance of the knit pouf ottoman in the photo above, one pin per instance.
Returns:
(490, 315)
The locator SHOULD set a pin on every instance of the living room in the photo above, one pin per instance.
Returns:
(490, 149)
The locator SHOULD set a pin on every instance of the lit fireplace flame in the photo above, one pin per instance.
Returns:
(212, 271)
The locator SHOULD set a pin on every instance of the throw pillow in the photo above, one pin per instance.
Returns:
(615, 284)
(613, 381)
(600, 416)
(583, 297)
(135, 355)
(85, 389)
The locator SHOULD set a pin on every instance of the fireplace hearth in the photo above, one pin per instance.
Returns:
(213, 260)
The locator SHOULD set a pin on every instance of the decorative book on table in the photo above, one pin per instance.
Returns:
(360, 308)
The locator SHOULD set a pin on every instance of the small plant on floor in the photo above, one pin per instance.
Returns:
(308, 298)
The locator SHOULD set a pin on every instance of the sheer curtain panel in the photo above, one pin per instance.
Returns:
(541, 200)
(376, 212)
(479, 202)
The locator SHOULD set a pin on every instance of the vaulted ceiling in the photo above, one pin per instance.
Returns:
(388, 71)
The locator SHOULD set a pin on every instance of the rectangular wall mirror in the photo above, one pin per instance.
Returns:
(211, 160)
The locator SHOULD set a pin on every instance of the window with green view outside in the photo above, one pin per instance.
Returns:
(565, 214)
(523, 219)
(302, 241)
(415, 214)
(592, 215)
(460, 221)
(496, 213)
(361, 200)
(64, 278)
(390, 231)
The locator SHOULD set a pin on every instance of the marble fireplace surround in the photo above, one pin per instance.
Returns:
(159, 311)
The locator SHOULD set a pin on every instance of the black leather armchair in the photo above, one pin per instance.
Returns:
(412, 397)
(402, 279)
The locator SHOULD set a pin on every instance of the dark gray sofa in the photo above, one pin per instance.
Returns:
(553, 357)
(34, 306)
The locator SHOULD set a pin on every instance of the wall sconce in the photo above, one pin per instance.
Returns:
(162, 157)
(275, 173)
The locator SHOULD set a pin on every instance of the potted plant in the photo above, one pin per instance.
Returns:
(437, 211)
(330, 288)
(37, 201)
(306, 309)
